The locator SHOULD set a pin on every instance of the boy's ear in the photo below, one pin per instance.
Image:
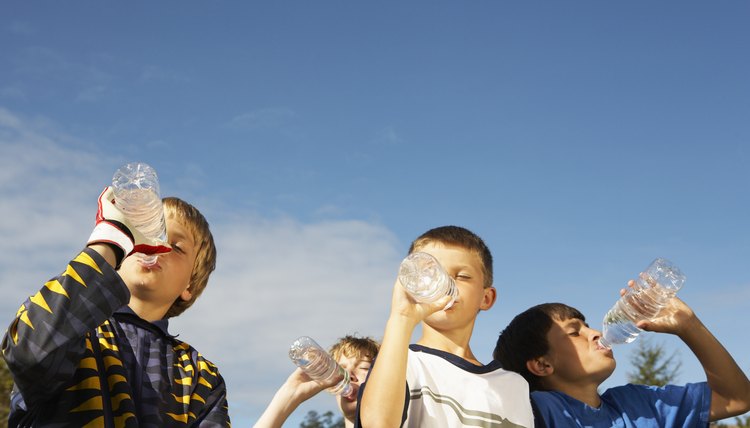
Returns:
(540, 367)
(490, 295)
(186, 294)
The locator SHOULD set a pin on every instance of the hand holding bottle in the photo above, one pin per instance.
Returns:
(304, 387)
(318, 364)
(674, 318)
(643, 300)
(113, 227)
(425, 279)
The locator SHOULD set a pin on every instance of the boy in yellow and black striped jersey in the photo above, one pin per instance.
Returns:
(91, 348)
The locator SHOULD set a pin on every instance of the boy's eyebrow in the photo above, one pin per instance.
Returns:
(574, 322)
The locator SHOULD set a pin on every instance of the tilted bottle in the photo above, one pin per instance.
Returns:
(320, 366)
(425, 279)
(653, 289)
(136, 189)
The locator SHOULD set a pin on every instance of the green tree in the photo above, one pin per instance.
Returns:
(652, 366)
(742, 421)
(6, 384)
(326, 420)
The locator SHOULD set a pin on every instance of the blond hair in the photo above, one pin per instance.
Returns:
(205, 257)
(459, 237)
(355, 347)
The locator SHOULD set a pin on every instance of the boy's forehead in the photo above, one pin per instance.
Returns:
(356, 355)
(564, 320)
(177, 228)
(441, 247)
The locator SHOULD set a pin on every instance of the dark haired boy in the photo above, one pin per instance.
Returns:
(554, 349)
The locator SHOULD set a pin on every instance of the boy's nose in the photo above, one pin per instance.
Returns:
(594, 335)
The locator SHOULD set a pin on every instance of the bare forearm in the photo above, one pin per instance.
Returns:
(729, 384)
(383, 399)
(284, 402)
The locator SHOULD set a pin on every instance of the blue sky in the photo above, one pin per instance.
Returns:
(580, 139)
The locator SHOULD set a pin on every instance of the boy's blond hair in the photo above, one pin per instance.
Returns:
(459, 237)
(355, 347)
(205, 258)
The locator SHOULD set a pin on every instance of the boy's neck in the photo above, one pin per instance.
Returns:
(455, 343)
(146, 311)
(585, 393)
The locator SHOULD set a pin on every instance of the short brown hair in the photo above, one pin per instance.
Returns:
(355, 347)
(460, 237)
(205, 257)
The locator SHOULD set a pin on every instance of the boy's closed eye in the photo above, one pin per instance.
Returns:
(575, 326)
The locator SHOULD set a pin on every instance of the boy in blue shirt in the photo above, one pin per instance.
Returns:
(554, 349)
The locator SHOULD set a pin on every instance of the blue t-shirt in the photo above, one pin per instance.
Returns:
(630, 406)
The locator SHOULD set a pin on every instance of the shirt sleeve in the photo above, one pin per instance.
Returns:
(46, 339)
(213, 391)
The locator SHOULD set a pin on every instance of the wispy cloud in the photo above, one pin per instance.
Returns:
(87, 80)
(280, 279)
(153, 73)
(46, 187)
(387, 136)
(21, 28)
(14, 92)
(262, 118)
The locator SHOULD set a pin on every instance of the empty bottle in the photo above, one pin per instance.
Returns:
(653, 290)
(320, 366)
(425, 279)
(136, 189)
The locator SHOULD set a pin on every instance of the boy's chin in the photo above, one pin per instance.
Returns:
(140, 284)
(605, 373)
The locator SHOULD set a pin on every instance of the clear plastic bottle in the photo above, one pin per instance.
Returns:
(320, 366)
(425, 279)
(136, 189)
(653, 290)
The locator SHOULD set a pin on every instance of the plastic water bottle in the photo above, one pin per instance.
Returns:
(653, 290)
(425, 279)
(320, 366)
(136, 189)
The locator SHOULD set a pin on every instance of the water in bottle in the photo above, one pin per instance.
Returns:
(653, 290)
(425, 279)
(320, 366)
(136, 189)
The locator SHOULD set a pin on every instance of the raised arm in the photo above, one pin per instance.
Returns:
(297, 389)
(384, 395)
(730, 388)
(46, 340)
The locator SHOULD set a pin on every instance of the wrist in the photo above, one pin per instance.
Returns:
(691, 328)
(401, 322)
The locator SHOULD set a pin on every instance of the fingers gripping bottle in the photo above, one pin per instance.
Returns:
(653, 290)
(425, 279)
(320, 366)
(136, 189)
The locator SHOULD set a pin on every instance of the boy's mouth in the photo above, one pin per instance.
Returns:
(604, 349)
